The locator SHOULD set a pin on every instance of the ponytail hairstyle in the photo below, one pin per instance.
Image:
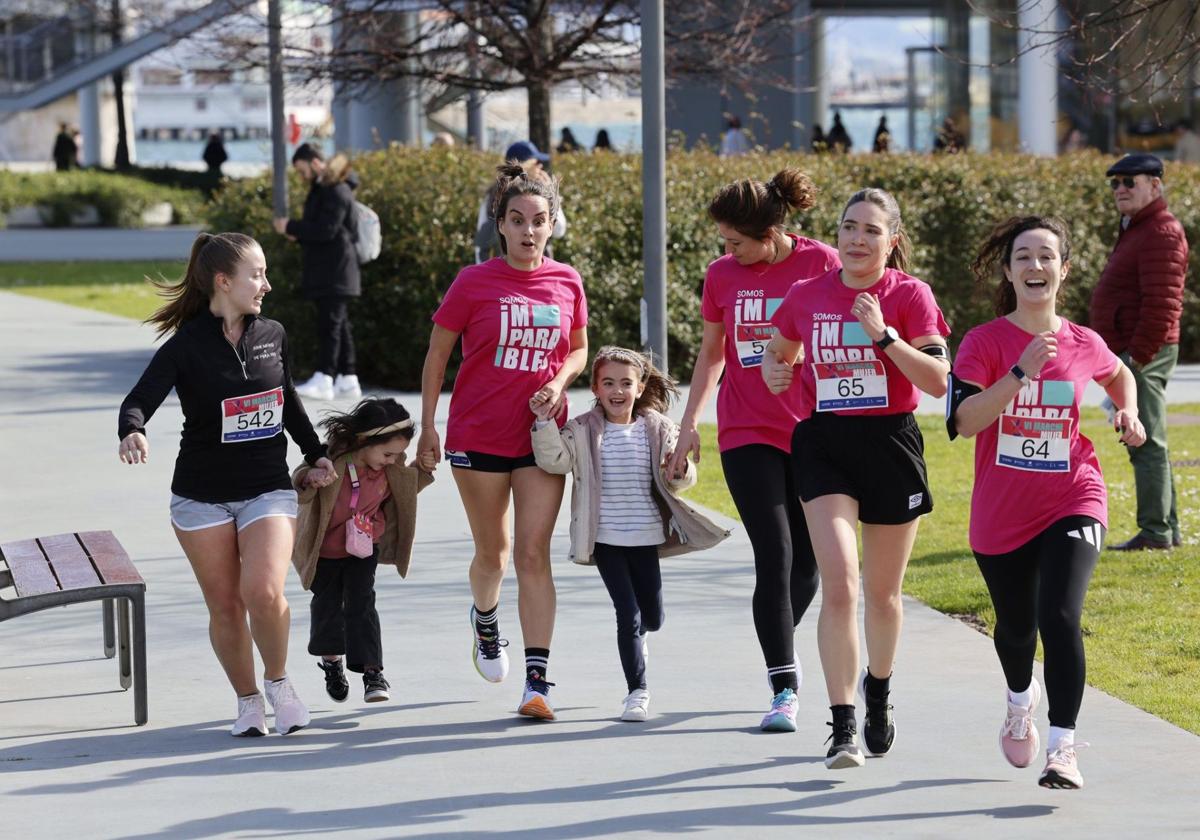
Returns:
(661, 390)
(212, 254)
(758, 210)
(995, 255)
(373, 421)
(513, 179)
(900, 256)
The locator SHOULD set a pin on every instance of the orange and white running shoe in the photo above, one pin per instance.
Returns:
(535, 702)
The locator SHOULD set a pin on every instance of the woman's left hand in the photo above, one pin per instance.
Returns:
(866, 310)
(1129, 427)
(281, 224)
(547, 402)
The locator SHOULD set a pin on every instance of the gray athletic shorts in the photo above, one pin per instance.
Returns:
(190, 515)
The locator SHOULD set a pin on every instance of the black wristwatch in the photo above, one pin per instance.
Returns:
(889, 337)
(1019, 372)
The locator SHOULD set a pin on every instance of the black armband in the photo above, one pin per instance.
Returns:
(938, 351)
(957, 393)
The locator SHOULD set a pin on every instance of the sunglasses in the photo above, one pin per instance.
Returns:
(1127, 181)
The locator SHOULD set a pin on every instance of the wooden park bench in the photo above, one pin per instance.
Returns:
(73, 568)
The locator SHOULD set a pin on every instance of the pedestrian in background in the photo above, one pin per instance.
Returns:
(65, 149)
(330, 277)
(215, 155)
(734, 141)
(1136, 308)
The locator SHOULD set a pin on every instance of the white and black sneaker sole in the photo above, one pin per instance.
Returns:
(844, 759)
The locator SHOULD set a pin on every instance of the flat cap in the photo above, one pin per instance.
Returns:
(1139, 163)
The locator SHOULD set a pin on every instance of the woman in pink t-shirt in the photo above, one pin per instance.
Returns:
(870, 338)
(522, 319)
(1016, 388)
(754, 428)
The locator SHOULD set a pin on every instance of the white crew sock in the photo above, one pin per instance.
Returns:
(1021, 698)
(1061, 737)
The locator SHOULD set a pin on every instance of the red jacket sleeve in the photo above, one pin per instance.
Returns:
(1162, 266)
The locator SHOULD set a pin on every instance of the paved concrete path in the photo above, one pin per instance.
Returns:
(447, 757)
(104, 244)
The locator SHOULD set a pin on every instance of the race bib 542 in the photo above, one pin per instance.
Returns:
(252, 416)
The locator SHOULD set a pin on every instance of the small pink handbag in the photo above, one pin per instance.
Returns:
(359, 542)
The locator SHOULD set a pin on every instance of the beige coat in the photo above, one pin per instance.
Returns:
(577, 449)
(316, 506)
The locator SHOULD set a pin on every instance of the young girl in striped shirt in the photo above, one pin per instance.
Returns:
(624, 509)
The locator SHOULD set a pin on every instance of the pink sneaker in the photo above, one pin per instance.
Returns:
(1018, 735)
(1062, 771)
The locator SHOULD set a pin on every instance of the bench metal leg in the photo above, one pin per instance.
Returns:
(123, 641)
(140, 714)
(110, 638)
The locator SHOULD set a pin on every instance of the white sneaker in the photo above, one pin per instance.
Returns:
(252, 717)
(290, 712)
(319, 387)
(345, 385)
(637, 706)
(491, 660)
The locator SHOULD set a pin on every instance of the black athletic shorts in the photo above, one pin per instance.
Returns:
(877, 459)
(483, 462)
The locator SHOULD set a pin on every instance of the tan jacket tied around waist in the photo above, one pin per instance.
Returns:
(316, 506)
(576, 449)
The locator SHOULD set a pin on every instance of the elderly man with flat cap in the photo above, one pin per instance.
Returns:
(1135, 309)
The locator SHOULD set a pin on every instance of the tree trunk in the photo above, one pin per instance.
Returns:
(539, 113)
(537, 86)
(121, 159)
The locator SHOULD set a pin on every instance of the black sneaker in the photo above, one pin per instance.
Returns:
(844, 751)
(879, 729)
(335, 680)
(375, 687)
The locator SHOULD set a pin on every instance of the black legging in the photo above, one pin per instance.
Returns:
(785, 569)
(634, 582)
(1041, 586)
(335, 341)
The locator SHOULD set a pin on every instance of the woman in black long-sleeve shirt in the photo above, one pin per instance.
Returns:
(232, 503)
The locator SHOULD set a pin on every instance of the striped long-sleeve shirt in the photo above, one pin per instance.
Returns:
(629, 514)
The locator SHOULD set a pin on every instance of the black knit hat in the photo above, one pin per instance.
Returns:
(1138, 163)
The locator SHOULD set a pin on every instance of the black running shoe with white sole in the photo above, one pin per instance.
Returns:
(843, 747)
(879, 728)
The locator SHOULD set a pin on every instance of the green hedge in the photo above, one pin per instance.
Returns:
(120, 200)
(428, 202)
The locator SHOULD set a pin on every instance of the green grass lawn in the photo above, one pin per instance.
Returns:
(119, 288)
(1142, 614)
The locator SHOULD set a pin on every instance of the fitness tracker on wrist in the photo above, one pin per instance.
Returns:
(1019, 372)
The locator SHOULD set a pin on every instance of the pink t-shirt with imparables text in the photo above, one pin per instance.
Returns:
(743, 298)
(1032, 466)
(843, 371)
(516, 333)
